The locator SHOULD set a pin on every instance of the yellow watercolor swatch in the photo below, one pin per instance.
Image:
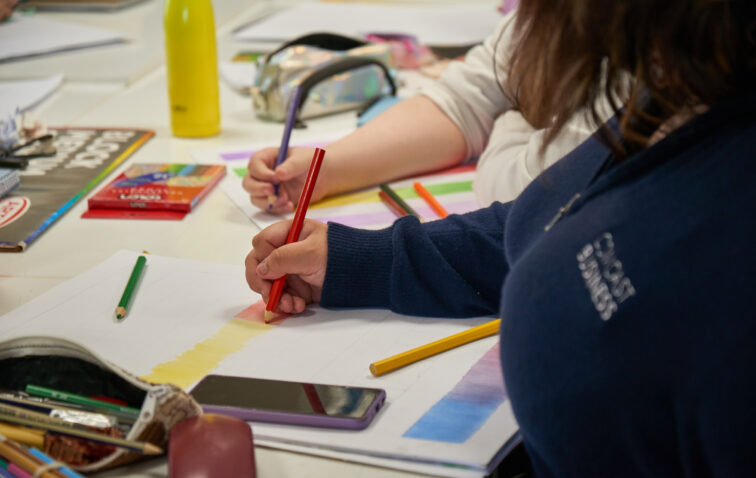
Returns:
(189, 367)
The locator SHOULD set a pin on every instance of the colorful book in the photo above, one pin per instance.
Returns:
(173, 188)
(51, 186)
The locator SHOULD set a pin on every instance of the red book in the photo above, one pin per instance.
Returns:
(171, 188)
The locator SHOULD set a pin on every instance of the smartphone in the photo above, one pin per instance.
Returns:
(294, 403)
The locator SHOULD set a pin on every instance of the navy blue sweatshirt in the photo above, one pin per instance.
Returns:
(628, 333)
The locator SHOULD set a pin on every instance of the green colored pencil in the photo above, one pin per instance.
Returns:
(401, 202)
(45, 392)
(128, 293)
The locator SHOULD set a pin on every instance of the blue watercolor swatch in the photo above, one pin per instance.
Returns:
(462, 411)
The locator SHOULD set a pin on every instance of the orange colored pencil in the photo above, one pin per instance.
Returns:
(432, 202)
(391, 204)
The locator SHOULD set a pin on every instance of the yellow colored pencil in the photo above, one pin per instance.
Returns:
(424, 351)
(25, 436)
(17, 455)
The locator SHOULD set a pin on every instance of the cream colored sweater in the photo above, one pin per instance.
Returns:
(507, 146)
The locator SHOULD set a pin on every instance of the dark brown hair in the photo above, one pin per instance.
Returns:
(679, 53)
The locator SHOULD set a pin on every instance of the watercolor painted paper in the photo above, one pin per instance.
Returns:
(363, 209)
(191, 318)
(462, 411)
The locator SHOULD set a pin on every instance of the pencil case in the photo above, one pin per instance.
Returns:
(63, 365)
(336, 73)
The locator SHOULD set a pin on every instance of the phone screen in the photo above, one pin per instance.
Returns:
(285, 397)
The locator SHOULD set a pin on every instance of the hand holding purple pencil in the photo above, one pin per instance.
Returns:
(291, 119)
(291, 175)
(276, 175)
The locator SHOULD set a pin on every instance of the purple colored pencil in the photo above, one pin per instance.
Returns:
(291, 119)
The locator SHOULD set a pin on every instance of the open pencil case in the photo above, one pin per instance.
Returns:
(63, 365)
(335, 73)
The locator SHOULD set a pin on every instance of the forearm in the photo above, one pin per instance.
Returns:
(448, 268)
(413, 137)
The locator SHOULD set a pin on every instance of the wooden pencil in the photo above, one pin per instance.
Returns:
(25, 436)
(391, 204)
(424, 351)
(64, 470)
(76, 399)
(387, 189)
(48, 406)
(27, 418)
(428, 197)
(17, 455)
(40, 417)
(295, 229)
(291, 119)
(128, 293)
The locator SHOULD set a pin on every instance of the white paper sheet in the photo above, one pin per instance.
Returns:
(24, 95)
(23, 36)
(438, 25)
(181, 303)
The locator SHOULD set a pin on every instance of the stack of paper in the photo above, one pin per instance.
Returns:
(24, 95)
(24, 36)
(79, 4)
(438, 25)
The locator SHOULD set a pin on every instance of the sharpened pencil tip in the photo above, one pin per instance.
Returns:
(269, 316)
(150, 449)
(120, 312)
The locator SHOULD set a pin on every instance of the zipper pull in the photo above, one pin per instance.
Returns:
(562, 211)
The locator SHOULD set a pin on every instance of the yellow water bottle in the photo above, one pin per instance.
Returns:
(191, 67)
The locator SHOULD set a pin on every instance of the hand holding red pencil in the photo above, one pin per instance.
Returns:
(304, 263)
(295, 228)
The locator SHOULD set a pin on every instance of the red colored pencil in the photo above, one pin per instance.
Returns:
(391, 204)
(296, 229)
(432, 202)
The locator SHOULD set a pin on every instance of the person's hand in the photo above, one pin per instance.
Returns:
(6, 8)
(304, 261)
(290, 174)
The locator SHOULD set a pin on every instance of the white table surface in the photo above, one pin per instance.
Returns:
(123, 63)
